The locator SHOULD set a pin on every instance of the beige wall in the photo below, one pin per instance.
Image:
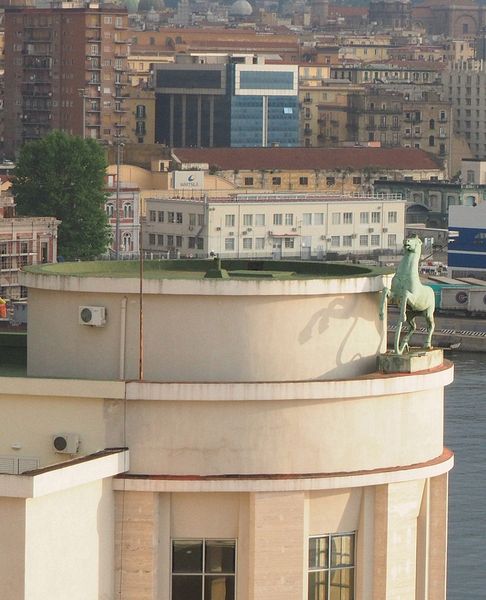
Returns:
(69, 544)
(12, 548)
(211, 337)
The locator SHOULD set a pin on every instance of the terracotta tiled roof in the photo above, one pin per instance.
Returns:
(308, 158)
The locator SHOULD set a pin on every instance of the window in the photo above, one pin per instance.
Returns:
(229, 220)
(200, 243)
(289, 219)
(375, 217)
(109, 210)
(303, 181)
(318, 218)
(152, 215)
(330, 181)
(248, 220)
(179, 241)
(192, 219)
(248, 180)
(289, 242)
(364, 218)
(171, 217)
(335, 241)
(363, 240)
(229, 243)
(179, 217)
(260, 220)
(170, 240)
(161, 216)
(347, 240)
(259, 243)
(277, 219)
(276, 180)
(347, 218)
(152, 239)
(392, 240)
(375, 240)
(247, 243)
(336, 218)
(392, 216)
(191, 243)
(307, 219)
(203, 569)
(200, 220)
(357, 180)
(331, 567)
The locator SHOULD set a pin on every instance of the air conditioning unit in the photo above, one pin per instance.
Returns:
(323, 237)
(294, 228)
(92, 315)
(218, 228)
(385, 230)
(231, 233)
(370, 230)
(66, 443)
(249, 229)
(270, 233)
(191, 227)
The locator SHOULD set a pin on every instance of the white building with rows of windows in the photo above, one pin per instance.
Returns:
(276, 225)
(218, 430)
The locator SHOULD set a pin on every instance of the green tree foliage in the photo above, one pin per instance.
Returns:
(63, 176)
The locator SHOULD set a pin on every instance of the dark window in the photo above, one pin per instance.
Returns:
(303, 181)
(276, 180)
(248, 180)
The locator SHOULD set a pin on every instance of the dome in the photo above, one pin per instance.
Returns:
(241, 8)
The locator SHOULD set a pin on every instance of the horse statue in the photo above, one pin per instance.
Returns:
(412, 297)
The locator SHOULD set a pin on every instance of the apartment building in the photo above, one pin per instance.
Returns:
(465, 87)
(23, 241)
(123, 210)
(65, 68)
(276, 226)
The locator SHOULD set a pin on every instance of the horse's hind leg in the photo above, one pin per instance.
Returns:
(411, 330)
(429, 318)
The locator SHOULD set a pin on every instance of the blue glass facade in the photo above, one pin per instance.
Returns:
(264, 119)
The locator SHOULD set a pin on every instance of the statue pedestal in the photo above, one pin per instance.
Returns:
(417, 359)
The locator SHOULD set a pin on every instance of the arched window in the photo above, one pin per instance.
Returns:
(127, 242)
(431, 140)
(109, 209)
(127, 211)
(432, 124)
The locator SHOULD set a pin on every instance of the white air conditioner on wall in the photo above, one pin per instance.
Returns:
(95, 316)
(65, 443)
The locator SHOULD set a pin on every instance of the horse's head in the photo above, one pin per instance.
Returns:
(413, 244)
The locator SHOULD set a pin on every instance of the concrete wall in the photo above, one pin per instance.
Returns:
(69, 549)
(12, 548)
(243, 336)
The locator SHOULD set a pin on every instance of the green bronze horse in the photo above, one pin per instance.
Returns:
(412, 297)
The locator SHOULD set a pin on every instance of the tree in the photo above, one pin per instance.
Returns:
(62, 176)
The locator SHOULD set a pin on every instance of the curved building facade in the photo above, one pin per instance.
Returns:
(269, 458)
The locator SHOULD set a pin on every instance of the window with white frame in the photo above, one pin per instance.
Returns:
(170, 217)
(375, 217)
(307, 219)
(259, 243)
(392, 240)
(229, 220)
(336, 218)
(347, 218)
(289, 219)
(392, 216)
(289, 242)
(247, 243)
(200, 220)
(363, 240)
(203, 569)
(109, 210)
(248, 220)
(152, 215)
(331, 567)
(375, 240)
(364, 218)
(277, 219)
(229, 243)
(347, 240)
(335, 241)
(179, 217)
(260, 220)
(192, 219)
(318, 218)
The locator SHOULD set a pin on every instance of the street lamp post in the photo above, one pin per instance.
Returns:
(119, 145)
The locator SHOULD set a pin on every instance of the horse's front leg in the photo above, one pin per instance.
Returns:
(429, 318)
(401, 320)
(385, 294)
(412, 326)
